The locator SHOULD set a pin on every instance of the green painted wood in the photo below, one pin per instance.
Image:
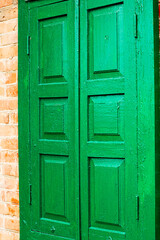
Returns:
(39, 3)
(114, 172)
(148, 119)
(88, 120)
(53, 114)
(52, 120)
(108, 120)
(23, 122)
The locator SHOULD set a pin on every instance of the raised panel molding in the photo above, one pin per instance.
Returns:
(53, 50)
(94, 4)
(105, 42)
(53, 120)
(107, 192)
(106, 118)
(53, 186)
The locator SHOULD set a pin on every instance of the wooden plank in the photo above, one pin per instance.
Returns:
(23, 121)
(53, 10)
(94, 233)
(148, 119)
(53, 90)
(109, 86)
(94, 4)
(39, 3)
(109, 150)
(53, 147)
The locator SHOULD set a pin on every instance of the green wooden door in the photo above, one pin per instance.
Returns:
(87, 166)
(108, 124)
(54, 121)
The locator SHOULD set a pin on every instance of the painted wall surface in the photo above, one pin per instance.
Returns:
(9, 193)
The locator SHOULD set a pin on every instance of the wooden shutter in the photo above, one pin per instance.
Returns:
(108, 123)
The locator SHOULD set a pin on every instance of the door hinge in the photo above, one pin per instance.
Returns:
(137, 207)
(30, 194)
(135, 25)
(28, 45)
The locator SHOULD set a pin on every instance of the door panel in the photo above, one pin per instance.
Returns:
(106, 203)
(108, 155)
(54, 187)
(54, 120)
(53, 64)
(102, 64)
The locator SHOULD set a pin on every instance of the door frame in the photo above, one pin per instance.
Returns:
(148, 117)
(23, 120)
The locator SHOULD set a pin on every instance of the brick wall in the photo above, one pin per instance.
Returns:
(9, 196)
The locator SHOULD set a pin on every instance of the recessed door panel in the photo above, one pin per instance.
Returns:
(105, 41)
(106, 203)
(54, 187)
(54, 118)
(53, 49)
(106, 118)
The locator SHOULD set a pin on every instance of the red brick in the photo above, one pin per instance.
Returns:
(10, 104)
(12, 197)
(2, 92)
(7, 130)
(8, 51)
(11, 77)
(13, 210)
(8, 77)
(12, 224)
(9, 38)
(4, 3)
(2, 77)
(13, 118)
(1, 221)
(3, 209)
(10, 144)
(9, 157)
(7, 14)
(1, 181)
(10, 170)
(2, 195)
(12, 91)
(6, 235)
(9, 64)
(9, 209)
(11, 183)
(4, 118)
(15, 236)
(8, 26)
